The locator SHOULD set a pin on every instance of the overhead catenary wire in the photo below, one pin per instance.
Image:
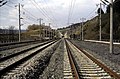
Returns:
(93, 11)
(2, 2)
(11, 17)
(26, 21)
(50, 17)
(70, 11)
(41, 10)
(7, 8)
(46, 13)
(29, 12)
(51, 10)
(73, 8)
(87, 16)
(30, 17)
(11, 6)
(34, 4)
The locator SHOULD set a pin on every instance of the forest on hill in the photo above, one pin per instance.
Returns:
(91, 27)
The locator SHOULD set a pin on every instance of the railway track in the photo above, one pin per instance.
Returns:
(77, 63)
(22, 51)
(7, 46)
(10, 62)
(85, 66)
(69, 67)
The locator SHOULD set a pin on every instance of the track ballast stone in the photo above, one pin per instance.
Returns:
(55, 68)
(101, 52)
(34, 67)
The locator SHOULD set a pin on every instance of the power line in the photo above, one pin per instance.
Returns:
(51, 10)
(25, 21)
(71, 8)
(44, 12)
(6, 8)
(8, 17)
(29, 13)
(11, 6)
(39, 9)
(69, 11)
(3, 3)
(30, 17)
(91, 12)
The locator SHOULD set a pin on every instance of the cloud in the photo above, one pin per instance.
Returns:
(55, 11)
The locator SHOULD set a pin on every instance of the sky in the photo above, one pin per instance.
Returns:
(56, 12)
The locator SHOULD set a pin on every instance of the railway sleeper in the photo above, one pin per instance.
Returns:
(88, 69)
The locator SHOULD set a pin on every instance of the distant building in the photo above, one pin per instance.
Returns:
(47, 28)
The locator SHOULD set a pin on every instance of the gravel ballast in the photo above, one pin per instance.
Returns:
(15, 50)
(55, 68)
(34, 67)
(101, 52)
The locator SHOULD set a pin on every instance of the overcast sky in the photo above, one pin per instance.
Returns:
(55, 12)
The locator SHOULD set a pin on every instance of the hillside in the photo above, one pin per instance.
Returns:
(91, 27)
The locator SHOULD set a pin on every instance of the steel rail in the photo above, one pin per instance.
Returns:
(15, 64)
(72, 62)
(110, 72)
(20, 52)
